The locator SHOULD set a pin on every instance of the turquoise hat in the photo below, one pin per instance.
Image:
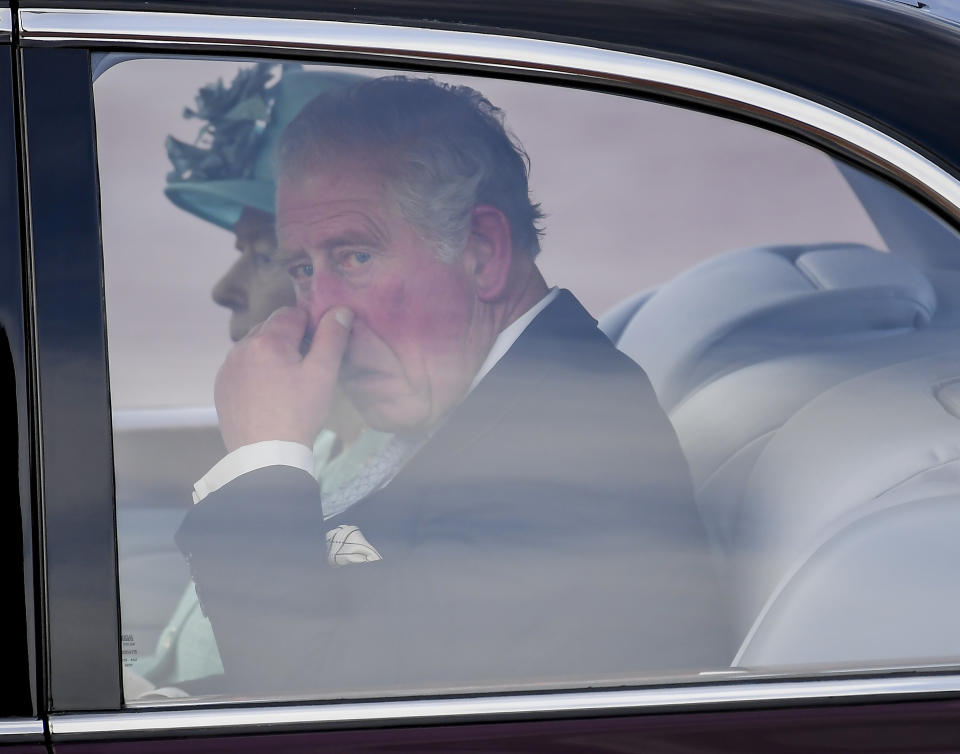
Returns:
(230, 165)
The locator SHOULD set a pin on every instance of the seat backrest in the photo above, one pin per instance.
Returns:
(862, 480)
(740, 343)
(816, 393)
(615, 320)
(880, 592)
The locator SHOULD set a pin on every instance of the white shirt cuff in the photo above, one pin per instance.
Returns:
(250, 458)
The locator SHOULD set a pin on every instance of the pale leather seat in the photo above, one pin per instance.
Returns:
(845, 549)
(738, 344)
(816, 394)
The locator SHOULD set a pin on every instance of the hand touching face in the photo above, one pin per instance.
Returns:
(420, 327)
(267, 389)
(419, 334)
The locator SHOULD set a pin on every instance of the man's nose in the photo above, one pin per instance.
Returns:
(232, 290)
(325, 291)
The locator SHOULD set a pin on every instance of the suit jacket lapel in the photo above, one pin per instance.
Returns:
(562, 325)
(541, 350)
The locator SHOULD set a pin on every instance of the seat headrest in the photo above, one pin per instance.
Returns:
(763, 302)
(862, 268)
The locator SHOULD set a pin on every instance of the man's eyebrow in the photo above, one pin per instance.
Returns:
(361, 238)
(351, 239)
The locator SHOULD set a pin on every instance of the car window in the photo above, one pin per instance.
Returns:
(430, 383)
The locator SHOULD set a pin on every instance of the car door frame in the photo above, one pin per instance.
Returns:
(21, 724)
(83, 684)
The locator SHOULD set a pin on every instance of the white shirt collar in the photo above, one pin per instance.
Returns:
(509, 335)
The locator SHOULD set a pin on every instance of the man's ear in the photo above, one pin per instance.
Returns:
(489, 251)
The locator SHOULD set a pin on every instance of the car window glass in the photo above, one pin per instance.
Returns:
(370, 441)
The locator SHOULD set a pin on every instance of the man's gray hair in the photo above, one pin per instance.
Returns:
(443, 150)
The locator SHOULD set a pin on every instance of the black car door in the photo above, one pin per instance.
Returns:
(79, 184)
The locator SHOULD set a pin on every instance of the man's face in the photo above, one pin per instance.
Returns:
(255, 285)
(418, 335)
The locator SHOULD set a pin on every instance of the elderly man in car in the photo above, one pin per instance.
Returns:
(530, 522)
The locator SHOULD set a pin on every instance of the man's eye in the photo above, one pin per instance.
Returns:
(353, 260)
(301, 271)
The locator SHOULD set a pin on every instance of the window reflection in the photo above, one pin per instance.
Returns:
(429, 470)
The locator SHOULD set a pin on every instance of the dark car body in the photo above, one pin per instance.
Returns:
(887, 65)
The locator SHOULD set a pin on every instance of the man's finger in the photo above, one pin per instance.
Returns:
(329, 342)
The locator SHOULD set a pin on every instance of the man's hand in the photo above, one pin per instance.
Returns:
(267, 390)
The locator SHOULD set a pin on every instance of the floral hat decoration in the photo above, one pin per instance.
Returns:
(229, 165)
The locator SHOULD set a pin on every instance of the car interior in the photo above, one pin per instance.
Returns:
(815, 391)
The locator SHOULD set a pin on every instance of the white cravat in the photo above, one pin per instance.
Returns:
(282, 453)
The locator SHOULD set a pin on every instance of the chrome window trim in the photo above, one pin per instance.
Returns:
(18, 728)
(138, 722)
(494, 51)
(6, 24)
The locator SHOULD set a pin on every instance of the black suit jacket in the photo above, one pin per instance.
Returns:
(545, 534)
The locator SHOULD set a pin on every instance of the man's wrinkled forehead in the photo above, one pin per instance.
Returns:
(342, 199)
